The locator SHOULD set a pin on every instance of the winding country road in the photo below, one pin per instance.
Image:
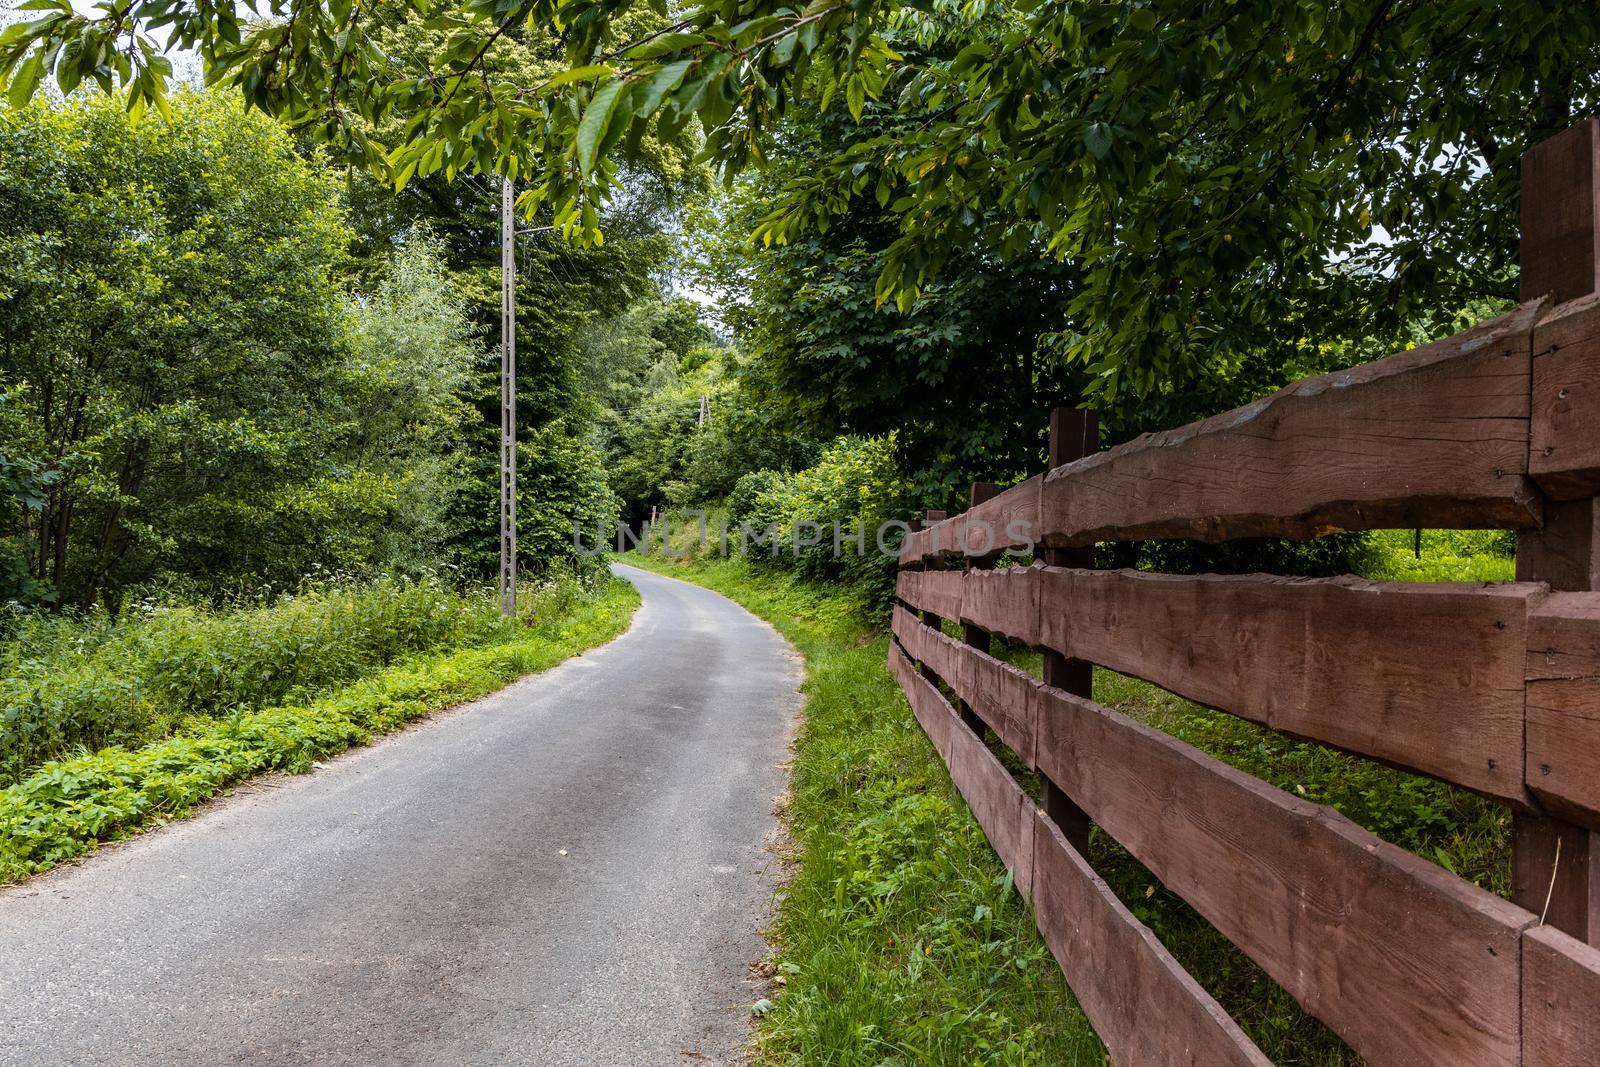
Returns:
(571, 871)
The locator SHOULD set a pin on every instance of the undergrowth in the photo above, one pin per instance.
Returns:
(899, 937)
(70, 685)
(891, 866)
(66, 807)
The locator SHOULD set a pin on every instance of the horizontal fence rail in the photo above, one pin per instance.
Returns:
(1492, 687)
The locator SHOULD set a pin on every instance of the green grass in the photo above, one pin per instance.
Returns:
(1446, 556)
(74, 684)
(890, 862)
(65, 808)
(899, 937)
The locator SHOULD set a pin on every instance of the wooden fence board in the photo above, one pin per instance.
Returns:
(997, 802)
(1563, 705)
(1004, 601)
(936, 650)
(939, 539)
(1560, 1000)
(1434, 437)
(1146, 1008)
(1006, 520)
(1001, 695)
(935, 591)
(1427, 676)
(1407, 962)
(1565, 440)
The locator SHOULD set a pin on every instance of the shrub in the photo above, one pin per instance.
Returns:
(71, 685)
(855, 485)
(63, 808)
(743, 501)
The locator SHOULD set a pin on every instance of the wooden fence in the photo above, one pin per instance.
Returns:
(1491, 687)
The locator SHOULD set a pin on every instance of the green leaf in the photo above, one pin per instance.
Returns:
(596, 117)
(1097, 138)
(667, 42)
(578, 74)
(25, 81)
(660, 84)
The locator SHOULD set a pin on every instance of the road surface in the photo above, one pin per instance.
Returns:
(572, 871)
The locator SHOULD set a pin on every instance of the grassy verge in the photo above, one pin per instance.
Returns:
(899, 938)
(65, 808)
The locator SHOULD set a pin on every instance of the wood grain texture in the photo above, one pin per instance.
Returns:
(1565, 431)
(1008, 520)
(1002, 696)
(997, 802)
(1554, 874)
(1146, 1008)
(937, 651)
(1560, 1000)
(1560, 220)
(1402, 959)
(1433, 437)
(1003, 601)
(997, 692)
(1563, 706)
(1564, 553)
(1427, 676)
(937, 591)
(935, 539)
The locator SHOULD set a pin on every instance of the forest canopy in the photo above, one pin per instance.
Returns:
(1222, 177)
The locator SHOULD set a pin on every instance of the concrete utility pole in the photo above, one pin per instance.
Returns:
(705, 410)
(508, 399)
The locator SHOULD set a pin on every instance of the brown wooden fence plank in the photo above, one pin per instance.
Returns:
(935, 591)
(1435, 437)
(1427, 675)
(1006, 520)
(935, 650)
(1004, 601)
(1565, 439)
(1407, 962)
(1000, 694)
(1563, 705)
(1145, 1007)
(1560, 216)
(997, 802)
(937, 539)
(1560, 1000)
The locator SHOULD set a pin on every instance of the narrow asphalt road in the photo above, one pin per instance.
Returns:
(573, 871)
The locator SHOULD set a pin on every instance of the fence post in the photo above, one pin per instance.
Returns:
(1557, 861)
(935, 564)
(1074, 433)
(976, 636)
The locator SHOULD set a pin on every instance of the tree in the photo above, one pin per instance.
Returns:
(1216, 169)
(24, 484)
(190, 391)
(953, 378)
(169, 300)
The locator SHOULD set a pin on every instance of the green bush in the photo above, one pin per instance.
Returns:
(855, 486)
(64, 808)
(71, 685)
(1442, 556)
(743, 501)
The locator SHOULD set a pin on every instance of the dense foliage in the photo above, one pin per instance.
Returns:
(171, 337)
(223, 364)
(65, 807)
(1216, 171)
(71, 684)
